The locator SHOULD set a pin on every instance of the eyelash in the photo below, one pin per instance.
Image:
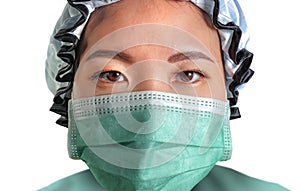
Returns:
(196, 71)
(203, 74)
(95, 76)
(101, 74)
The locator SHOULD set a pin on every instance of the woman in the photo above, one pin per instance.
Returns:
(147, 93)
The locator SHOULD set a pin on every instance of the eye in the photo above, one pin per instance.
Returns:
(111, 76)
(189, 76)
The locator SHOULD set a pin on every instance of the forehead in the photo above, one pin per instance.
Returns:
(125, 13)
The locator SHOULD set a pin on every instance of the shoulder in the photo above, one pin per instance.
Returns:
(226, 179)
(77, 182)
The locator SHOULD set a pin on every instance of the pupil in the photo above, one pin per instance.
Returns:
(113, 76)
(187, 76)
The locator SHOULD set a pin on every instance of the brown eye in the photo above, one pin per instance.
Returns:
(189, 76)
(111, 76)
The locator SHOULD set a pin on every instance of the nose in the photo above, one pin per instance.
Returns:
(153, 85)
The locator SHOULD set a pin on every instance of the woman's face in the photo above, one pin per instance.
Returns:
(155, 45)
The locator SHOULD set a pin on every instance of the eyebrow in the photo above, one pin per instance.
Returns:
(189, 55)
(110, 54)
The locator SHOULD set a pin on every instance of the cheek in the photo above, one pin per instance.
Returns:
(217, 86)
(214, 86)
(214, 90)
(83, 85)
(219, 90)
(80, 88)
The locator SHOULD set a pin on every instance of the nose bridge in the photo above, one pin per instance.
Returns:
(153, 85)
(151, 75)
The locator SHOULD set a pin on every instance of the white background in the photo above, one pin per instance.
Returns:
(265, 140)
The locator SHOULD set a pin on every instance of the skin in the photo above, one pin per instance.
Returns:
(150, 66)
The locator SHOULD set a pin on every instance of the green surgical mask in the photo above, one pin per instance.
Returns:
(149, 140)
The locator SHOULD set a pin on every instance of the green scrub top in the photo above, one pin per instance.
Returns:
(219, 179)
